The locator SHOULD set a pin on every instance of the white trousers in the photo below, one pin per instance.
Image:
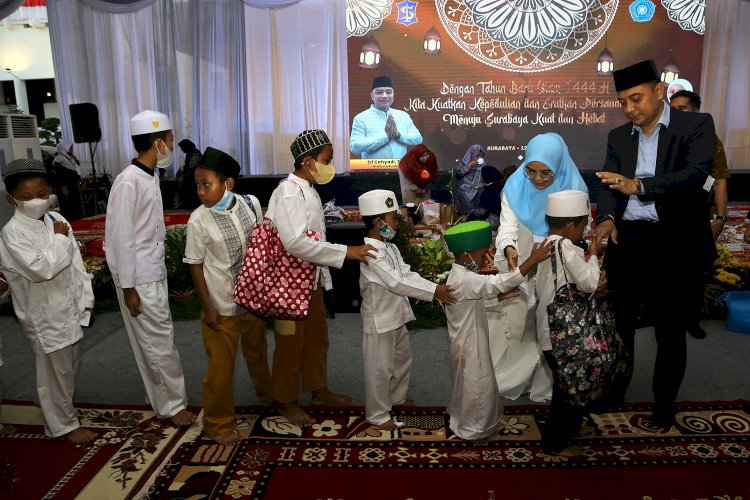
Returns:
(55, 383)
(152, 338)
(387, 370)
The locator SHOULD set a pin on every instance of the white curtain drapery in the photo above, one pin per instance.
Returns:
(725, 73)
(230, 74)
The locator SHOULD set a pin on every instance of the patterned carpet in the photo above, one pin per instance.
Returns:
(132, 444)
(707, 455)
(341, 456)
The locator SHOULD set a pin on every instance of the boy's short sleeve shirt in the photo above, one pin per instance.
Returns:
(218, 240)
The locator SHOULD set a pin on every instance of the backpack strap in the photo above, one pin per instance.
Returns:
(250, 204)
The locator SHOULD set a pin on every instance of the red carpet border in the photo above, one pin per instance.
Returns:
(343, 457)
(707, 455)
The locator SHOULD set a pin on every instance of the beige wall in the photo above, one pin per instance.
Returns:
(27, 52)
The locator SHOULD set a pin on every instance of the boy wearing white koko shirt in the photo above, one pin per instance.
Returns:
(134, 246)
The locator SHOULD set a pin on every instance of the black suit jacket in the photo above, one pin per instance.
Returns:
(684, 158)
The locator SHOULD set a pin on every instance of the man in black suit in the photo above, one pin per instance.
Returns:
(652, 208)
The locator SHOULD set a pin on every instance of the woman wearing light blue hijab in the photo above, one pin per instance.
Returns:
(548, 168)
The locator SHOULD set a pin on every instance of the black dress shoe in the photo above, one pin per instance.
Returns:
(696, 331)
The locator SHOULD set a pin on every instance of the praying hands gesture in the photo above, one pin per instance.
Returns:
(390, 128)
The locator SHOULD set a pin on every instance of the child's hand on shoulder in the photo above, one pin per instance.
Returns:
(542, 251)
(443, 294)
(59, 227)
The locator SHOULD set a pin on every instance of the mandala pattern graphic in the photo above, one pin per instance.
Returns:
(363, 16)
(689, 14)
(526, 35)
(524, 23)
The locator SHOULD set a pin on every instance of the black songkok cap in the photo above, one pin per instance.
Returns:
(219, 161)
(637, 74)
(25, 166)
(382, 81)
(307, 141)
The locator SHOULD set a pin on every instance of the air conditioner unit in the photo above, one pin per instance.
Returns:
(19, 138)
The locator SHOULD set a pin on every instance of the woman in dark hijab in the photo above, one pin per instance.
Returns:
(468, 180)
(417, 170)
(185, 182)
(67, 171)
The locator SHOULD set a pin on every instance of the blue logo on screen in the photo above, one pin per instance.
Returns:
(642, 10)
(407, 13)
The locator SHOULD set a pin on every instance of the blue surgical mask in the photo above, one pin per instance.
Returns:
(225, 201)
(386, 231)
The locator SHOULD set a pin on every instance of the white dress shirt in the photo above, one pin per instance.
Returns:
(48, 281)
(584, 273)
(295, 208)
(385, 284)
(134, 229)
(218, 239)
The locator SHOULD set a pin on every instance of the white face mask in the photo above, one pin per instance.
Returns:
(324, 173)
(35, 208)
(480, 161)
(163, 160)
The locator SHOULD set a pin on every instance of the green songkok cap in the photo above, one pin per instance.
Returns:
(468, 236)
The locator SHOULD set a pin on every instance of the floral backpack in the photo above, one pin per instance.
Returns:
(589, 351)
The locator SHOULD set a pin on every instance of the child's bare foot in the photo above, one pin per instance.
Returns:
(229, 438)
(296, 415)
(81, 435)
(183, 418)
(390, 425)
(407, 402)
(324, 396)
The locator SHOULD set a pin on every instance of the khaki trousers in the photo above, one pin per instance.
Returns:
(302, 356)
(221, 347)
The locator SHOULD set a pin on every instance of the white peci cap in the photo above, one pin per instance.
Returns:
(377, 201)
(568, 203)
(147, 122)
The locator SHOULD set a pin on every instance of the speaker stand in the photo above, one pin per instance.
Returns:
(95, 189)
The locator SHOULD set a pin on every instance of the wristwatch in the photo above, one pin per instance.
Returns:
(722, 218)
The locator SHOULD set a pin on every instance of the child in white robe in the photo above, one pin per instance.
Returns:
(474, 406)
(51, 290)
(134, 245)
(386, 283)
(567, 216)
(4, 429)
